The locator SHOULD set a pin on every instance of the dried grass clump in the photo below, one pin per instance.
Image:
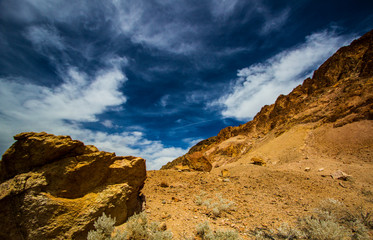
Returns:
(215, 206)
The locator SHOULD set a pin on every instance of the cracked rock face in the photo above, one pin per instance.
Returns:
(53, 187)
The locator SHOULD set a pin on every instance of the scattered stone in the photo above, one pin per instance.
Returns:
(307, 169)
(166, 216)
(175, 199)
(258, 161)
(163, 201)
(226, 180)
(162, 226)
(164, 185)
(341, 175)
(203, 181)
(320, 169)
(225, 173)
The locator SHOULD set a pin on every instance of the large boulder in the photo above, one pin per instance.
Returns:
(53, 187)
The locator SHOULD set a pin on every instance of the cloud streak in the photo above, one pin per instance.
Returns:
(65, 108)
(261, 83)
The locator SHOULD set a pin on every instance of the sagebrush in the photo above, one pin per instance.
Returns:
(331, 221)
(137, 227)
(215, 206)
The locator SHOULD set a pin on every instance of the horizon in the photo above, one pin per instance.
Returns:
(153, 78)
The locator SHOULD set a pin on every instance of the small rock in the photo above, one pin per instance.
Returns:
(166, 216)
(341, 175)
(164, 185)
(162, 226)
(225, 173)
(175, 199)
(226, 180)
(320, 169)
(258, 161)
(307, 169)
(163, 201)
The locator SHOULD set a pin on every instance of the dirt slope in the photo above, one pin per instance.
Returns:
(267, 196)
(322, 127)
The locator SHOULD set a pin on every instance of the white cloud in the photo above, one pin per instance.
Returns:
(192, 141)
(45, 36)
(63, 110)
(261, 83)
(108, 123)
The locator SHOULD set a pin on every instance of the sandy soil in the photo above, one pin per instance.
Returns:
(267, 196)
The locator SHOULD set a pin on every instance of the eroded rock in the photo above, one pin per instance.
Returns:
(53, 187)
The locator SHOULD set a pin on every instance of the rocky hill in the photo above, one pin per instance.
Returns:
(53, 187)
(311, 147)
(339, 93)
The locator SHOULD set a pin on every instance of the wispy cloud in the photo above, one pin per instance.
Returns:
(261, 83)
(274, 22)
(168, 31)
(223, 8)
(45, 36)
(65, 108)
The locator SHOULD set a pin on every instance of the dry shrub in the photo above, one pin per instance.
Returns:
(204, 232)
(215, 206)
(331, 221)
(137, 227)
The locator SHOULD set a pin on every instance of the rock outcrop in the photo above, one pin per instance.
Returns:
(340, 92)
(53, 187)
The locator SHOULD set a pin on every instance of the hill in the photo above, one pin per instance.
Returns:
(311, 147)
(339, 93)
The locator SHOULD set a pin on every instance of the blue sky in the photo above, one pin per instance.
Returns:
(150, 78)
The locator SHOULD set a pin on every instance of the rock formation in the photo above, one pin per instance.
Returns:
(53, 187)
(340, 92)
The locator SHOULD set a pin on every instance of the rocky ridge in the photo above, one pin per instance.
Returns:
(339, 93)
(53, 187)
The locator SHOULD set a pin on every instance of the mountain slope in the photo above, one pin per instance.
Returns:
(325, 106)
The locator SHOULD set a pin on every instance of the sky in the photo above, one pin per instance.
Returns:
(151, 78)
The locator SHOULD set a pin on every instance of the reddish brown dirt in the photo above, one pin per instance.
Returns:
(281, 191)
